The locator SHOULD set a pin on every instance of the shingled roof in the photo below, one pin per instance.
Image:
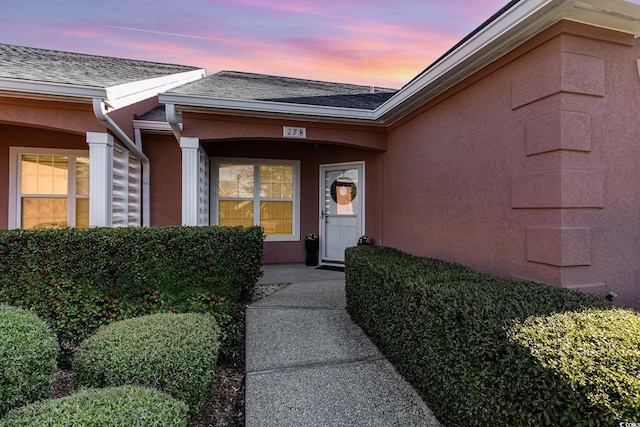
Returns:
(261, 87)
(52, 66)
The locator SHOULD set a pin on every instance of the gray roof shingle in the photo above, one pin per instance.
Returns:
(51, 66)
(260, 87)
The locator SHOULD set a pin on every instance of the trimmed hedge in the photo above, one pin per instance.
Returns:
(489, 351)
(174, 353)
(126, 406)
(79, 279)
(28, 351)
(596, 351)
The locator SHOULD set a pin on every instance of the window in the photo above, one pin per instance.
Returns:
(49, 188)
(263, 193)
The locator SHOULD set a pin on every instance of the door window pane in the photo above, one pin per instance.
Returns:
(341, 192)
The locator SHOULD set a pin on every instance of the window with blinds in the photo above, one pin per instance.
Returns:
(53, 191)
(261, 193)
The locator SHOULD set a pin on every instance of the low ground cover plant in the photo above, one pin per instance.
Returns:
(174, 353)
(489, 351)
(78, 280)
(126, 406)
(28, 351)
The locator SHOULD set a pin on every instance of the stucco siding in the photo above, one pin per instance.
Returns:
(529, 171)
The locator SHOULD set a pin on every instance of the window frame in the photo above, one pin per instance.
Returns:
(15, 196)
(256, 163)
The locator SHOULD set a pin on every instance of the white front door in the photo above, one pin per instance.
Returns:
(342, 209)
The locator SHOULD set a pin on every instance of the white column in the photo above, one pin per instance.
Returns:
(190, 179)
(100, 179)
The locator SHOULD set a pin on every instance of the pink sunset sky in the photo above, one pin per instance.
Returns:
(370, 42)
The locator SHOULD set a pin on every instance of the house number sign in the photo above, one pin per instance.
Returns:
(294, 132)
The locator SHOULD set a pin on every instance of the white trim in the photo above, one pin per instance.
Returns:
(204, 186)
(99, 110)
(216, 161)
(117, 96)
(149, 126)
(361, 191)
(190, 179)
(129, 93)
(14, 180)
(100, 179)
(172, 120)
(266, 107)
(47, 88)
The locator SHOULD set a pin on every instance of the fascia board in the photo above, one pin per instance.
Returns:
(266, 107)
(618, 15)
(152, 126)
(129, 93)
(51, 89)
(515, 26)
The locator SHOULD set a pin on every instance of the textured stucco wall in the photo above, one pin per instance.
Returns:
(528, 169)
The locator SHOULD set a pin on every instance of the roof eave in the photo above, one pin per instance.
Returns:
(516, 25)
(129, 93)
(519, 23)
(150, 126)
(31, 88)
(266, 108)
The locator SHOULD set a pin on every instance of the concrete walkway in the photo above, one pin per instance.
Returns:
(308, 364)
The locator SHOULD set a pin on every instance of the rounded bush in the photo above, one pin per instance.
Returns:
(126, 406)
(175, 353)
(28, 351)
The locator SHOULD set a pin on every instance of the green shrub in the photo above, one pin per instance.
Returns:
(78, 280)
(461, 338)
(126, 406)
(28, 353)
(175, 353)
(596, 351)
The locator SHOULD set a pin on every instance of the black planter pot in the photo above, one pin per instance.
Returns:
(312, 247)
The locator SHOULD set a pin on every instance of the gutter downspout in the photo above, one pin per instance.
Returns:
(172, 119)
(101, 114)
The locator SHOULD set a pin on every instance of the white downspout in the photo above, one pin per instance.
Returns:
(101, 114)
(172, 119)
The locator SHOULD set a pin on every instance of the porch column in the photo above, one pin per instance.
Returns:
(100, 179)
(190, 179)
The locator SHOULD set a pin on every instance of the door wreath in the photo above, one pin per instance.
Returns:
(340, 185)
